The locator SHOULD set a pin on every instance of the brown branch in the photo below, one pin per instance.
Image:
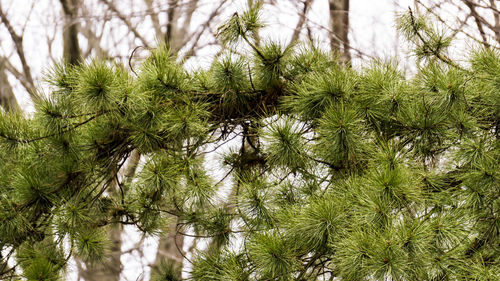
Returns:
(94, 39)
(18, 74)
(483, 21)
(311, 262)
(479, 21)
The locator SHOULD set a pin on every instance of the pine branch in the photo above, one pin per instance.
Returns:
(66, 130)
(426, 44)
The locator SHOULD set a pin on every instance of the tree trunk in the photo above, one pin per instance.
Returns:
(111, 268)
(339, 21)
(170, 248)
(8, 100)
(172, 36)
(71, 53)
(496, 17)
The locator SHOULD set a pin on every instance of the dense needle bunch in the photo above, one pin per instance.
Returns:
(332, 172)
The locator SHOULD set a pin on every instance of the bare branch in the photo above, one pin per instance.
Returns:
(479, 21)
(94, 39)
(191, 7)
(18, 42)
(469, 4)
(302, 20)
(125, 20)
(19, 75)
(203, 28)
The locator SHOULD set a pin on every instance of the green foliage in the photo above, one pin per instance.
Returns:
(168, 271)
(244, 26)
(342, 138)
(271, 256)
(286, 145)
(430, 42)
(320, 90)
(90, 244)
(271, 64)
(330, 172)
(41, 261)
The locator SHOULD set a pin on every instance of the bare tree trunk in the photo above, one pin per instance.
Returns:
(171, 35)
(170, 247)
(111, 268)
(339, 21)
(496, 16)
(71, 52)
(7, 98)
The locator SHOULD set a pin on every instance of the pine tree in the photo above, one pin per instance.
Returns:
(338, 173)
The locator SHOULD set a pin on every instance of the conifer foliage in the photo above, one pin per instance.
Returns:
(337, 173)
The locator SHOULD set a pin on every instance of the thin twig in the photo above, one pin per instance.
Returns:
(18, 42)
(125, 20)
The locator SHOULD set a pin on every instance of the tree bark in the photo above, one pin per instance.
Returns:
(339, 22)
(170, 247)
(172, 38)
(71, 48)
(496, 17)
(8, 100)
(111, 268)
